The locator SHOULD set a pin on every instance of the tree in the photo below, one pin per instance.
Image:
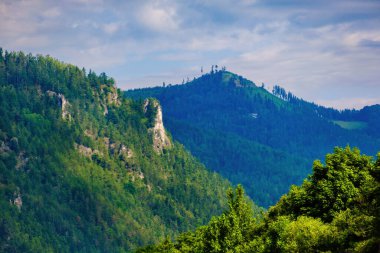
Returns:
(224, 233)
(2, 67)
(331, 188)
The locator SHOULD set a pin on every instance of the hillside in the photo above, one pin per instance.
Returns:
(83, 169)
(266, 141)
(367, 119)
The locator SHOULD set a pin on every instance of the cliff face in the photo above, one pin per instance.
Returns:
(63, 103)
(160, 138)
(109, 96)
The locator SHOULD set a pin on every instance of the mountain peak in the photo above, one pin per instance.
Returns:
(224, 77)
(250, 135)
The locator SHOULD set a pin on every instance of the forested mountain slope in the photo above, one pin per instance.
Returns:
(83, 169)
(264, 141)
(366, 120)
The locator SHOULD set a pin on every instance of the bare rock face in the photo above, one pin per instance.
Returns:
(64, 106)
(160, 138)
(63, 102)
(4, 148)
(105, 112)
(111, 97)
(18, 202)
(21, 161)
(89, 133)
(86, 151)
(126, 151)
(51, 93)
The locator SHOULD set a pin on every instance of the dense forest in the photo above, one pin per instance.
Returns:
(84, 169)
(265, 141)
(80, 170)
(336, 209)
(365, 120)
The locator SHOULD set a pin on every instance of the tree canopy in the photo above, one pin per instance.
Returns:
(335, 210)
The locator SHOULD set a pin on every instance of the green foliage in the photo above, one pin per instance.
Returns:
(91, 182)
(264, 141)
(335, 210)
(332, 187)
(305, 234)
(225, 233)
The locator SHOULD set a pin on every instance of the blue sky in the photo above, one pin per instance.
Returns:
(323, 51)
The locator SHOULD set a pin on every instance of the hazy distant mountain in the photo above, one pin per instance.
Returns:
(266, 141)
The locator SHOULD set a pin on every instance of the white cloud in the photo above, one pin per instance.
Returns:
(51, 13)
(321, 52)
(354, 39)
(110, 28)
(159, 18)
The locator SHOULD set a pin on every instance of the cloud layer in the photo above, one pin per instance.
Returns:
(324, 51)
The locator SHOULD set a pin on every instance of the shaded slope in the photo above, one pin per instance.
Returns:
(281, 137)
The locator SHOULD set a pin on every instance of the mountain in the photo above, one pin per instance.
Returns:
(83, 169)
(266, 141)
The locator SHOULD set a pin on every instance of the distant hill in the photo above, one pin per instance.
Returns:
(83, 169)
(266, 141)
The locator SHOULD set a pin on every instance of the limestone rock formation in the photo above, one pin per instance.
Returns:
(63, 102)
(160, 138)
(18, 202)
(86, 151)
(110, 97)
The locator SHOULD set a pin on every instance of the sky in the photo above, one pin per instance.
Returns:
(323, 51)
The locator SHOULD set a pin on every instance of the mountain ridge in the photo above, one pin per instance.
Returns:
(228, 104)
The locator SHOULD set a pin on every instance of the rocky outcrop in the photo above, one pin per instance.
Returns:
(64, 106)
(105, 108)
(4, 148)
(63, 102)
(124, 151)
(113, 148)
(89, 133)
(110, 97)
(136, 175)
(160, 138)
(113, 97)
(21, 161)
(86, 151)
(17, 201)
